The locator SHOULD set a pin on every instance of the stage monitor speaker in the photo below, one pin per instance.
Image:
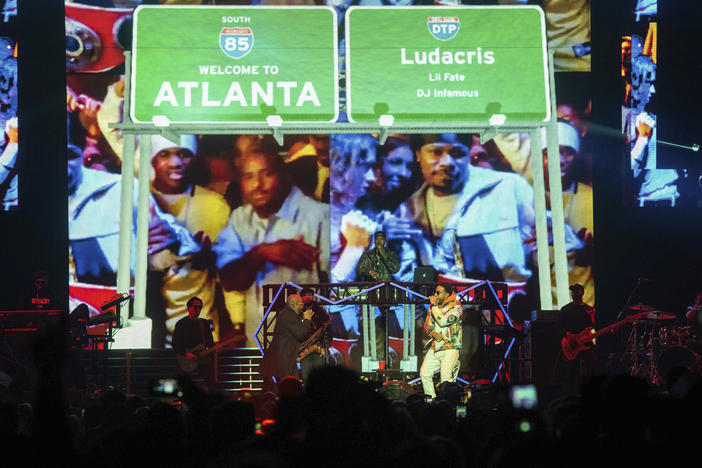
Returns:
(425, 274)
(545, 342)
(396, 390)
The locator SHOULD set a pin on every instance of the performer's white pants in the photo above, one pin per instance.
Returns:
(446, 361)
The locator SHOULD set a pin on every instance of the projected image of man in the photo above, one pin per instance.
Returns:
(277, 235)
(203, 212)
(650, 182)
(396, 170)
(443, 160)
(93, 223)
(473, 220)
(9, 169)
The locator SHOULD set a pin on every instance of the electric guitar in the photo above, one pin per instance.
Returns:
(190, 365)
(573, 343)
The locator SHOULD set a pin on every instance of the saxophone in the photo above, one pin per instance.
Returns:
(317, 342)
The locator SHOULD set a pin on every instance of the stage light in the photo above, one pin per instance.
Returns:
(694, 147)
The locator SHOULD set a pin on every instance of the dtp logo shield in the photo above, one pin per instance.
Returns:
(236, 42)
(443, 27)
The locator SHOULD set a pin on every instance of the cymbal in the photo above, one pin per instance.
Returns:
(659, 315)
(640, 307)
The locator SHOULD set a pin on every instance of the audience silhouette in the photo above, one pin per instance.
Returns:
(338, 419)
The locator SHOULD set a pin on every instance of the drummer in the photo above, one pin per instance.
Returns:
(694, 314)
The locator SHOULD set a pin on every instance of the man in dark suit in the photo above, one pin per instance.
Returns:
(292, 326)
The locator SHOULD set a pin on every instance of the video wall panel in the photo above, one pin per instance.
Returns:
(9, 143)
(659, 120)
(230, 213)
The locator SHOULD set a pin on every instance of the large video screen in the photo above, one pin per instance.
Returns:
(9, 142)
(232, 213)
(648, 183)
(659, 121)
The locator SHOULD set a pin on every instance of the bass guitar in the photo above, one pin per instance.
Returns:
(190, 365)
(573, 343)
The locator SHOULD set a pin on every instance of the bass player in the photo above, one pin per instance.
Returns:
(573, 318)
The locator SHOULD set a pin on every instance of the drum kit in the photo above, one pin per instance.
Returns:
(658, 345)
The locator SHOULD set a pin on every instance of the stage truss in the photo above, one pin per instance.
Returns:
(497, 333)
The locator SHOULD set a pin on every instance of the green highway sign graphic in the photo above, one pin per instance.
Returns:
(234, 64)
(426, 64)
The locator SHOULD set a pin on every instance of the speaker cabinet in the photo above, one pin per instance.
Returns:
(545, 344)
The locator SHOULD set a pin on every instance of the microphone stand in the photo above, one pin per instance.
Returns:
(626, 304)
(630, 345)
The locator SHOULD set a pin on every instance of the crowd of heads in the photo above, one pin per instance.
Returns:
(349, 421)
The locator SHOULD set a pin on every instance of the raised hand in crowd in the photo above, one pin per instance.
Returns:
(356, 236)
(644, 124)
(86, 108)
(11, 130)
(160, 234)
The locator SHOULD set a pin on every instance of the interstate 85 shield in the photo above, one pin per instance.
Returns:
(236, 42)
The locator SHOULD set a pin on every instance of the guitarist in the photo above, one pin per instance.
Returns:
(575, 317)
(192, 335)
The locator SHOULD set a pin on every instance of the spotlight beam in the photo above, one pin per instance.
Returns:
(694, 147)
(602, 130)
